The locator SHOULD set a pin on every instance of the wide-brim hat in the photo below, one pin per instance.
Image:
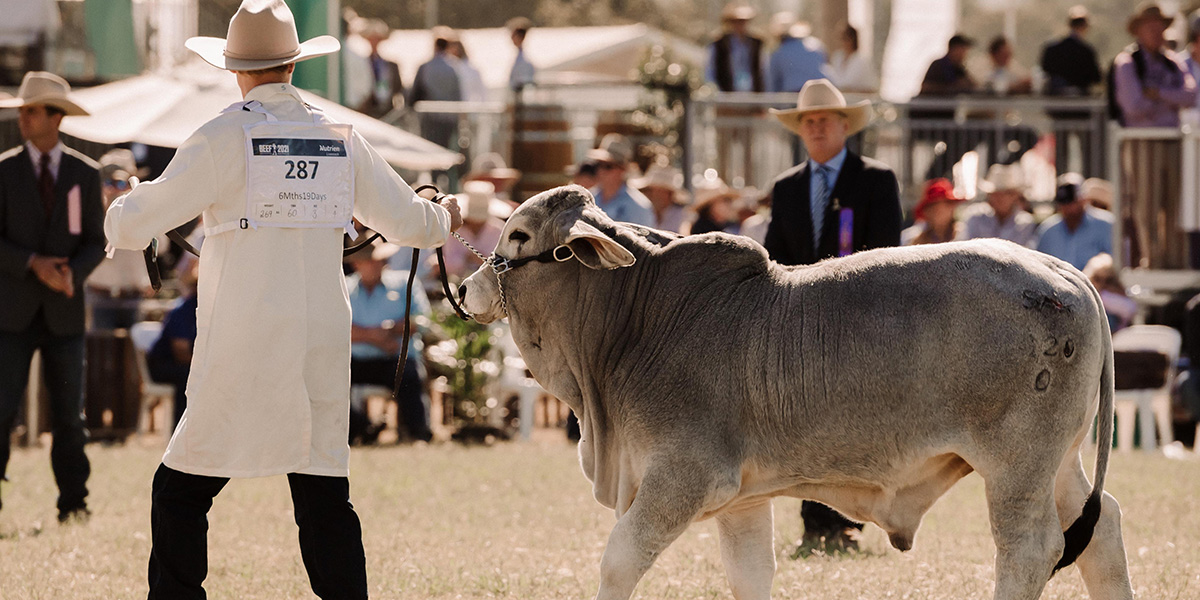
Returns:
(480, 203)
(1004, 177)
(738, 12)
(490, 166)
(820, 95)
(936, 191)
(614, 148)
(1147, 11)
(40, 87)
(262, 34)
(1097, 190)
(380, 251)
(665, 177)
(710, 189)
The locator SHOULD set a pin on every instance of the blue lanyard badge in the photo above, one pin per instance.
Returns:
(846, 232)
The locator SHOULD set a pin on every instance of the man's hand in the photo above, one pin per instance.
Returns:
(54, 273)
(450, 203)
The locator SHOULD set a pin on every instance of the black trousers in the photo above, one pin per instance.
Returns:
(413, 417)
(62, 374)
(330, 535)
(822, 520)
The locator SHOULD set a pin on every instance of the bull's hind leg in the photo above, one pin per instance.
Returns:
(670, 497)
(747, 549)
(1103, 566)
(1026, 529)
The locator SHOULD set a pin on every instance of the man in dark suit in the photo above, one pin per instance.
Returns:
(386, 86)
(852, 194)
(1071, 69)
(51, 237)
(834, 204)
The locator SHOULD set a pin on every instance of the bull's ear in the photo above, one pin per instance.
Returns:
(596, 250)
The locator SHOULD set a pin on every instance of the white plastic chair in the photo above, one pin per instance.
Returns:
(144, 335)
(1151, 405)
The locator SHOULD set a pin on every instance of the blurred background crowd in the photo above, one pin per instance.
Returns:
(1065, 128)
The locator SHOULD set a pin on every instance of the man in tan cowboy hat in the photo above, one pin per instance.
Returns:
(619, 201)
(735, 59)
(1150, 83)
(50, 240)
(833, 204)
(277, 183)
(1003, 215)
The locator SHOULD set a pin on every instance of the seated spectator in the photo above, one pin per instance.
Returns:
(948, 74)
(663, 185)
(1002, 73)
(851, 70)
(755, 226)
(1078, 232)
(1120, 308)
(1098, 193)
(1070, 63)
(934, 215)
(116, 287)
(1002, 215)
(800, 57)
(714, 206)
(490, 167)
(483, 221)
(170, 358)
(584, 173)
(377, 297)
(619, 201)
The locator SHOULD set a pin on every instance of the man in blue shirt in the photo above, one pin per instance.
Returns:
(799, 58)
(377, 312)
(1078, 232)
(619, 201)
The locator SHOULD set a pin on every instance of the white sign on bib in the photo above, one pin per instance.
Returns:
(298, 174)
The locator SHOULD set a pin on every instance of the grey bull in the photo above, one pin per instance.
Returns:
(708, 380)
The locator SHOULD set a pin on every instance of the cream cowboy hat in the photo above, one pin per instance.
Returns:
(262, 34)
(738, 12)
(1004, 177)
(818, 95)
(40, 87)
(665, 177)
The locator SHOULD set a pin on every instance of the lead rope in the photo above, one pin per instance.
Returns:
(412, 275)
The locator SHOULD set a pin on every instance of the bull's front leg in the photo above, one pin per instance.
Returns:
(747, 549)
(669, 498)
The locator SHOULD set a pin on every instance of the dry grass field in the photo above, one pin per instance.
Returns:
(518, 521)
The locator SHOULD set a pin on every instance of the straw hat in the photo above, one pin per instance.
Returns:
(818, 95)
(936, 191)
(665, 177)
(262, 34)
(479, 202)
(738, 12)
(40, 87)
(786, 22)
(1004, 177)
(1147, 11)
(711, 188)
(380, 251)
(614, 148)
(1099, 191)
(490, 166)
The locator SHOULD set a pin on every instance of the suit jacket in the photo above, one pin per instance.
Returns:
(865, 186)
(25, 230)
(372, 105)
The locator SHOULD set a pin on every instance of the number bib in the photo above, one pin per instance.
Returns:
(299, 174)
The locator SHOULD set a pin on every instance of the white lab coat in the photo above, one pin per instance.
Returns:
(269, 386)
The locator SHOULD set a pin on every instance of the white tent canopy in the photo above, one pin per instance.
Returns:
(607, 52)
(163, 109)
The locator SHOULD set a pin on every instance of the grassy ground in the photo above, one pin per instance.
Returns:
(518, 521)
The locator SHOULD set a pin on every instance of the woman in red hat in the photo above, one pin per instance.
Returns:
(935, 219)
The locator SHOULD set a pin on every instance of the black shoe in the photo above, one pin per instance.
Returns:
(80, 514)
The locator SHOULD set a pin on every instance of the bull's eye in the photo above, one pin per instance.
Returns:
(519, 237)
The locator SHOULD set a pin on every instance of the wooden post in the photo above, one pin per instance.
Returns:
(833, 13)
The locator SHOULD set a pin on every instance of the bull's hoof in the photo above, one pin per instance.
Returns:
(901, 541)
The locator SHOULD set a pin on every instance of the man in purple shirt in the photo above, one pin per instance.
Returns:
(1151, 83)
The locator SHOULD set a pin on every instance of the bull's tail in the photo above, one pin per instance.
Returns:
(1080, 532)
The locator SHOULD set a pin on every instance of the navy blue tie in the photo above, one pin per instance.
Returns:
(820, 199)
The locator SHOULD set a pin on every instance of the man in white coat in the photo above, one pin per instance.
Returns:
(268, 393)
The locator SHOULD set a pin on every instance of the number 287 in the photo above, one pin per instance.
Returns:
(299, 169)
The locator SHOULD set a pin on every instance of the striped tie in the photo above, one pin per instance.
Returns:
(820, 199)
